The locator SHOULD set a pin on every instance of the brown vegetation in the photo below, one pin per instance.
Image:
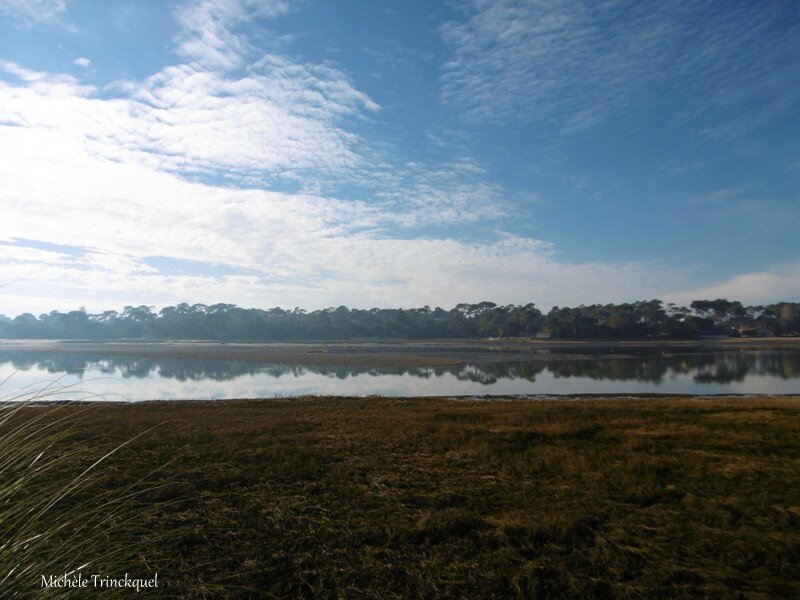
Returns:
(383, 498)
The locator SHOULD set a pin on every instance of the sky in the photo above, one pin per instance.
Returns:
(397, 153)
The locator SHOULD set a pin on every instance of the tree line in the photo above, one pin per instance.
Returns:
(649, 319)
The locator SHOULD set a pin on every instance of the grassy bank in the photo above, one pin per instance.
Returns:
(383, 498)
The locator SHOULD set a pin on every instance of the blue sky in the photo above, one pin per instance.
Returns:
(397, 153)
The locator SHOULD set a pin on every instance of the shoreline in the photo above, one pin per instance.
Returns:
(484, 398)
(388, 353)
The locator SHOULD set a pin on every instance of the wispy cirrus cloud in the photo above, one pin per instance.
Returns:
(208, 29)
(176, 168)
(572, 63)
(31, 12)
(279, 117)
(280, 248)
(227, 110)
(451, 192)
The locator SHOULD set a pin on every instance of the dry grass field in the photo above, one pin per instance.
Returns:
(409, 498)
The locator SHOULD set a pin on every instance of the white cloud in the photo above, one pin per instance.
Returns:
(83, 62)
(571, 63)
(296, 249)
(279, 118)
(272, 118)
(446, 193)
(208, 34)
(30, 12)
(108, 171)
(776, 284)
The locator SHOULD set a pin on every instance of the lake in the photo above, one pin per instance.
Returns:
(636, 371)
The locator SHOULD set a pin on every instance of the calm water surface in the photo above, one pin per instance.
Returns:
(637, 371)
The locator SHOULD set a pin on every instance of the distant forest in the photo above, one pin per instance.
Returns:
(650, 319)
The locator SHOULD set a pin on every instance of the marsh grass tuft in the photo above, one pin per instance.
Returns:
(58, 513)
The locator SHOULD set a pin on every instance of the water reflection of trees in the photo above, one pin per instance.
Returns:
(130, 367)
(718, 367)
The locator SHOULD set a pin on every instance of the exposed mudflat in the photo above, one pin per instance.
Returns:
(390, 353)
